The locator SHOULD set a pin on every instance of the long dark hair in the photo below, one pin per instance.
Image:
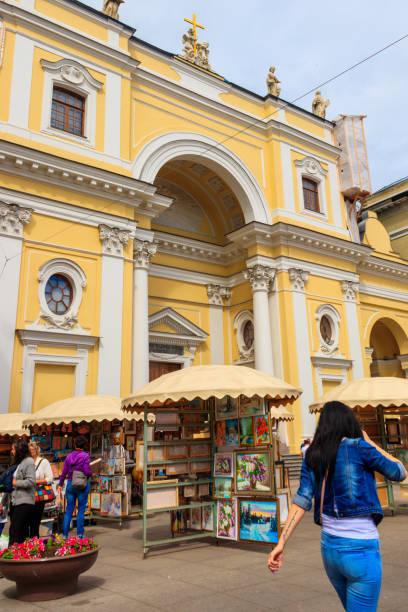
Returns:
(337, 421)
(22, 450)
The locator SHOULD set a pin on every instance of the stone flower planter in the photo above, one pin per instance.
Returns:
(45, 579)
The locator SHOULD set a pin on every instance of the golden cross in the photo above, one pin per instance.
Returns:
(195, 26)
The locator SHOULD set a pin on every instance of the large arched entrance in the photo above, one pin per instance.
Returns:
(386, 351)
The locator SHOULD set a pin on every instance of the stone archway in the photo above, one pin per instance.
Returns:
(389, 344)
(196, 147)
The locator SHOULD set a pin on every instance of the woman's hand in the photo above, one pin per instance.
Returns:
(275, 558)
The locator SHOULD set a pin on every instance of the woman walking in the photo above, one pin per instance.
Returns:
(338, 472)
(77, 461)
(43, 476)
(23, 494)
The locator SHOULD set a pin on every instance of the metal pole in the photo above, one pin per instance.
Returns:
(383, 436)
(145, 436)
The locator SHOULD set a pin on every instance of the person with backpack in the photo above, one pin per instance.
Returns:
(77, 471)
(23, 493)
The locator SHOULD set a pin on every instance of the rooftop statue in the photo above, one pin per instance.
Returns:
(319, 105)
(193, 51)
(188, 42)
(111, 8)
(272, 82)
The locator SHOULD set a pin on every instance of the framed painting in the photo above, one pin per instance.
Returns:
(219, 434)
(111, 504)
(165, 497)
(200, 466)
(195, 519)
(129, 425)
(117, 483)
(96, 428)
(284, 505)
(383, 496)
(253, 406)
(231, 432)
(139, 455)
(393, 431)
(200, 450)
(262, 431)
(203, 490)
(226, 408)
(177, 451)
(222, 488)
(253, 473)
(95, 501)
(258, 520)
(176, 468)
(104, 484)
(402, 455)
(224, 464)
(227, 519)
(130, 443)
(96, 444)
(207, 518)
(246, 431)
(189, 490)
(157, 453)
(279, 475)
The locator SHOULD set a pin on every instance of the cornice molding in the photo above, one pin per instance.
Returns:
(42, 335)
(383, 292)
(384, 267)
(198, 250)
(186, 331)
(37, 165)
(322, 361)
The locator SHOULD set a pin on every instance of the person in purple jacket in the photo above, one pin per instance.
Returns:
(77, 460)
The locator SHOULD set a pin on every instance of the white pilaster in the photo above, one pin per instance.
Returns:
(12, 219)
(113, 88)
(216, 295)
(274, 317)
(287, 177)
(298, 279)
(21, 81)
(110, 343)
(143, 252)
(350, 291)
(335, 194)
(260, 278)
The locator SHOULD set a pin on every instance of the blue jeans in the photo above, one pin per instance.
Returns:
(355, 570)
(72, 496)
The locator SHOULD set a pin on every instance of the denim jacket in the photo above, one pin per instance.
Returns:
(352, 490)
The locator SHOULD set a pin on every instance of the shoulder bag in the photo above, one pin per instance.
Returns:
(43, 493)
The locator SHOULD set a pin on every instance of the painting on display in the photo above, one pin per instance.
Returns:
(262, 430)
(111, 504)
(165, 497)
(250, 406)
(393, 431)
(226, 408)
(104, 483)
(246, 431)
(284, 506)
(95, 501)
(207, 518)
(253, 472)
(231, 432)
(131, 443)
(96, 445)
(402, 455)
(259, 520)
(227, 519)
(200, 466)
(224, 464)
(222, 488)
(195, 518)
(200, 450)
(220, 433)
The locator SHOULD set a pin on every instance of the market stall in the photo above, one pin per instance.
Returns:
(209, 458)
(381, 405)
(111, 438)
(11, 426)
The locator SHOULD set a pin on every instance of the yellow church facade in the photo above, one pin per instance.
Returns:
(154, 216)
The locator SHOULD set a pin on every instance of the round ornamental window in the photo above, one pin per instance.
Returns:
(58, 294)
(248, 334)
(326, 330)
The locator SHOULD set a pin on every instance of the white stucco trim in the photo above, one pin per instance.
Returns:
(287, 178)
(324, 376)
(327, 310)
(20, 93)
(189, 145)
(241, 319)
(113, 92)
(310, 168)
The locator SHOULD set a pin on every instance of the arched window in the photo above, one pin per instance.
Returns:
(67, 112)
(58, 294)
(310, 194)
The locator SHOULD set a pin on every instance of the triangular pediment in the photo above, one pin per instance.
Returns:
(168, 322)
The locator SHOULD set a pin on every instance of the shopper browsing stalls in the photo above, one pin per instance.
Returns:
(44, 478)
(77, 471)
(23, 495)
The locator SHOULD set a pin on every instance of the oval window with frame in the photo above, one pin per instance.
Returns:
(248, 334)
(326, 329)
(58, 294)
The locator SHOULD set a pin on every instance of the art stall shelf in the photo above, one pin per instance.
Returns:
(209, 458)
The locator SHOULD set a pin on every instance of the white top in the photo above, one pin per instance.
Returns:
(355, 527)
(304, 449)
(43, 470)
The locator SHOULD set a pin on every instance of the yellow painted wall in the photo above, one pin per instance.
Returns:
(52, 383)
(6, 74)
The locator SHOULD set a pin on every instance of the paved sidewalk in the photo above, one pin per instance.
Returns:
(206, 577)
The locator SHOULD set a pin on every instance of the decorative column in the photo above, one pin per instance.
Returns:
(113, 240)
(12, 220)
(143, 252)
(403, 359)
(260, 278)
(298, 279)
(350, 293)
(216, 295)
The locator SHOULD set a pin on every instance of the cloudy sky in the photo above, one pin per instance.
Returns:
(308, 42)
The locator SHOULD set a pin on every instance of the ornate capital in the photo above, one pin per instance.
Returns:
(13, 217)
(216, 294)
(350, 290)
(260, 277)
(143, 251)
(113, 239)
(298, 278)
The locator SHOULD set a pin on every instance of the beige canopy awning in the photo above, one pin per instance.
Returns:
(210, 381)
(85, 408)
(280, 414)
(11, 424)
(386, 391)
